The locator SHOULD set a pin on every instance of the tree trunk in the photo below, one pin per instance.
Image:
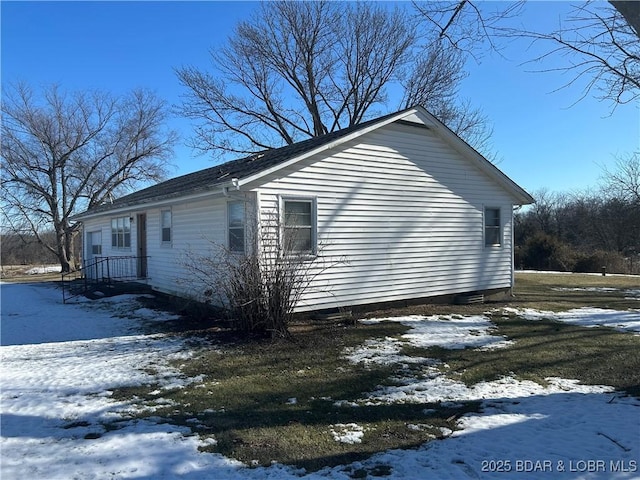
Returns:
(66, 266)
(65, 249)
(70, 248)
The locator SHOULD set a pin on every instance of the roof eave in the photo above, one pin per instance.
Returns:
(169, 199)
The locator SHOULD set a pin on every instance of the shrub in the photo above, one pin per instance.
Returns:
(594, 261)
(261, 288)
(546, 252)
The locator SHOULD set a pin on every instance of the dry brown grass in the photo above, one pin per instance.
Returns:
(244, 399)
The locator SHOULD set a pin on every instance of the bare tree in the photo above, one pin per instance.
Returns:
(66, 152)
(466, 25)
(601, 48)
(25, 250)
(302, 69)
(544, 211)
(598, 42)
(624, 181)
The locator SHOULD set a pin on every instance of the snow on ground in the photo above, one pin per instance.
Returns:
(449, 331)
(629, 293)
(59, 363)
(628, 320)
(44, 269)
(33, 313)
(347, 432)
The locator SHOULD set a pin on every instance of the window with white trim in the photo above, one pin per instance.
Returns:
(95, 242)
(236, 221)
(121, 232)
(165, 220)
(299, 225)
(492, 227)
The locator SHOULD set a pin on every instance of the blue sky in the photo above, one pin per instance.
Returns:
(541, 139)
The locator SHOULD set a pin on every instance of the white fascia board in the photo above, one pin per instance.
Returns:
(326, 146)
(140, 207)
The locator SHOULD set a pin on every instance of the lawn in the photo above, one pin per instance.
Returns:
(278, 400)
(92, 390)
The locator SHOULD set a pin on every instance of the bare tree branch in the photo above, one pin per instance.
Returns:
(624, 181)
(65, 152)
(597, 43)
(466, 26)
(302, 69)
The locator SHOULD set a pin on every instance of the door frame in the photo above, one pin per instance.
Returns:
(141, 230)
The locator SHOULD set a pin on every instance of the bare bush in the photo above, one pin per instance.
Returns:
(261, 288)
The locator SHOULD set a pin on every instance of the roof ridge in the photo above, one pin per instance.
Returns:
(206, 178)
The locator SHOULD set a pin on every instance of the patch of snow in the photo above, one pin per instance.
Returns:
(586, 289)
(347, 433)
(629, 293)
(447, 331)
(441, 389)
(632, 294)
(591, 274)
(628, 320)
(44, 269)
(34, 313)
(381, 352)
(59, 421)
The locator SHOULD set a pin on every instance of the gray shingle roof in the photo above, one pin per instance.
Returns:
(218, 175)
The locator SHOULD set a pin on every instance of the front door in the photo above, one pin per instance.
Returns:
(142, 245)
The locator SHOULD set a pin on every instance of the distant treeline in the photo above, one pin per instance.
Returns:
(26, 250)
(579, 233)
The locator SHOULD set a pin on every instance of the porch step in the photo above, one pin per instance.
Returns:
(116, 288)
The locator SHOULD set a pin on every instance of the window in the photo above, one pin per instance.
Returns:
(95, 242)
(165, 218)
(121, 232)
(299, 225)
(492, 228)
(235, 226)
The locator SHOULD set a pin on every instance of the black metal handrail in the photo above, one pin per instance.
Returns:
(101, 271)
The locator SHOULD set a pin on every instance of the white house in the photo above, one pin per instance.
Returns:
(413, 211)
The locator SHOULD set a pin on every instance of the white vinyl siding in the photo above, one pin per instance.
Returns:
(396, 214)
(198, 227)
(399, 216)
